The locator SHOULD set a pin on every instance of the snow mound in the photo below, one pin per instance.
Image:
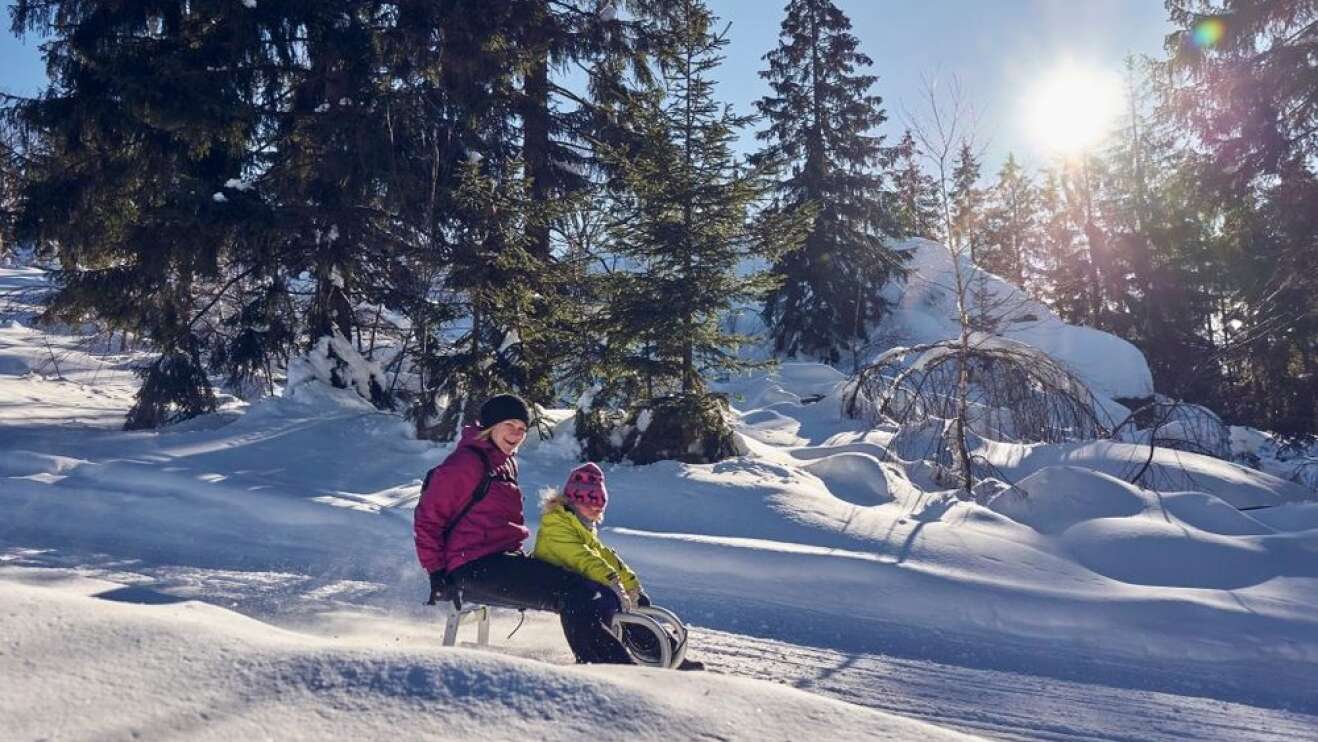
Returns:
(1210, 514)
(857, 478)
(1169, 470)
(771, 427)
(1300, 516)
(242, 675)
(1055, 498)
(1154, 551)
(925, 312)
(799, 383)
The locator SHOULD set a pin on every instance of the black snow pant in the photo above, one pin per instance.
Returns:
(585, 607)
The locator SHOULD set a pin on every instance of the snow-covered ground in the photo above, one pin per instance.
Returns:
(251, 572)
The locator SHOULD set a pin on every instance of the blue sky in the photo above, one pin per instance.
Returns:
(999, 49)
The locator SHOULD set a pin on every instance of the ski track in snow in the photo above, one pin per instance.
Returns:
(1002, 705)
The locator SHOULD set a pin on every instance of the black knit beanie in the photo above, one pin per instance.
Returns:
(502, 407)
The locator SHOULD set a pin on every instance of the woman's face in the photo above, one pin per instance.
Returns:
(508, 435)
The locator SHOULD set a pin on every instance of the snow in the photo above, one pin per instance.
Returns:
(587, 397)
(1055, 498)
(212, 674)
(335, 361)
(925, 312)
(643, 420)
(219, 198)
(252, 573)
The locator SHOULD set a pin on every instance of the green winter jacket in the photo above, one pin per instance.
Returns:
(565, 541)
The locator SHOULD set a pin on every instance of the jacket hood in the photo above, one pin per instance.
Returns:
(555, 505)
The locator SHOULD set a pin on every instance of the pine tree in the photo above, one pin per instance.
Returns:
(142, 126)
(1245, 89)
(498, 279)
(1063, 270)
(967, 202)
(915, 195)
(821, 119)
(1158, 223)
(11, 170)
(1011, 227)
(684, 230)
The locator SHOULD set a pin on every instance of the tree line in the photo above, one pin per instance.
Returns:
(545, 196)
(1193, 230)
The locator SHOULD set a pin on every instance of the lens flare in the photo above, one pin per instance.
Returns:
(1208, 32)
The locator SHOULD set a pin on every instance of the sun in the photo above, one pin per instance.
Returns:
(1073, 108)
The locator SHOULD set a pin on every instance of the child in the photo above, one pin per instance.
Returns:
(569, 538)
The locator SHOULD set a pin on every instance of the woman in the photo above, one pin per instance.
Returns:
(478, 550)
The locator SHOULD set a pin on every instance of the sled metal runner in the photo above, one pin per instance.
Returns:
(669, 633)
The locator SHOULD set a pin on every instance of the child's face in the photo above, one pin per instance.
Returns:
(589, 512)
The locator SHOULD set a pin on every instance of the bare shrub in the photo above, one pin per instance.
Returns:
(1177, 425)
(1014, 393)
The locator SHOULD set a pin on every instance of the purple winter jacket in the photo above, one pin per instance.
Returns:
(494, 525)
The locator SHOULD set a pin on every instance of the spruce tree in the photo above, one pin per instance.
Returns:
(1245, 88)
(967, 202)
(685, 228)
(821, 125)
(498, 279)
(11, 169)
(323, 170)
(915, 195)
(556, 124)
(1011, 228)
(1080, 181)
(1063, 271)
(1159, 225)
(144, 122)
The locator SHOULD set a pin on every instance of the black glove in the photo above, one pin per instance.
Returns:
(643, 600)
(439, 586)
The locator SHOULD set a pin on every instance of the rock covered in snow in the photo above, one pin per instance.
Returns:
(925, 312)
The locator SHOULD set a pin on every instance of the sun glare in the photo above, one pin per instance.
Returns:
(1073, 108)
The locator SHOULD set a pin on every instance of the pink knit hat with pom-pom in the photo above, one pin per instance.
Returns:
(585, 486)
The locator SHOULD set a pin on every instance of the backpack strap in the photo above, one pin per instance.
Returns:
(482, 490)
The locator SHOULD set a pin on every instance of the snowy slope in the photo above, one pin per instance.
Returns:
(131, 663)
(819, 560)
